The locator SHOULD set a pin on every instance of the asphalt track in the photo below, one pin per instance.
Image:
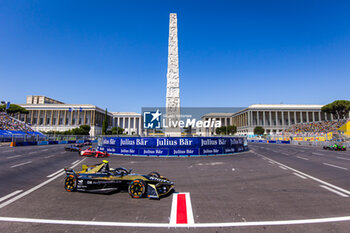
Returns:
(270, 188)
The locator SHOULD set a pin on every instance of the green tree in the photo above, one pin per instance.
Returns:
(226, 130)
(339, 108)
(117, 131)
(105, 124)
(14, 108)
(258, 130)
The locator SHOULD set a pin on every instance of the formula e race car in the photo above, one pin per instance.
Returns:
(79, 144)
(90, 152)
(72, 148)
(87, 143)
(100, 178)
(335, 147)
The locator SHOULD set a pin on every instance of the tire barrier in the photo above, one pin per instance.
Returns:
(173, 146)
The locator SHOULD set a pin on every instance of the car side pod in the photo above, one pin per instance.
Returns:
(152, 191)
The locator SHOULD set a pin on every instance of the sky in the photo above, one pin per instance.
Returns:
(113, 54)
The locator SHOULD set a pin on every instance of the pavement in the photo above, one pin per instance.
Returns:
(270, 188)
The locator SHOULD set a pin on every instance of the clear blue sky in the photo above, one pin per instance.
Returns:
(232, 53)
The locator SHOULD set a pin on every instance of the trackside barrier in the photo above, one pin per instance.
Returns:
(34, 143)
(173, 146)
(270, 141)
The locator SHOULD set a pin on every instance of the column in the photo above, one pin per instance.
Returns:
(307, 117)
(301, 117)
(84, 117)
(124, 123)
(31, 117)
(118, 121)
(325, 116)
(257, 118)
(38, 119)
(78, 118)
(65, 117)
(270, 118)
(332, 117)
(264, 119)
(129, 125)
(134, 126)
(58, 117)
(91, 117)
(140, 126)
(94, 117)
(319, 116)
(45, 115)
(51, 118)
(313, 116)
(289, 118)
(71, 117)
(295, 118)
(249, 118)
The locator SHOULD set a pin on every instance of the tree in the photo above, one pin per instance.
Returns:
(339, 108)
(14, 108)
(105, 124)
(259, 130)
(117, 131)
(226, 130)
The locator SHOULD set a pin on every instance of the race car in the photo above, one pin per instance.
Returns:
(72, 148)
(100, 178)
(79, 144)
(335, 147)
(87, 143)
(90, 152)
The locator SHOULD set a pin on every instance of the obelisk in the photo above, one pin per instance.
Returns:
(173, 88)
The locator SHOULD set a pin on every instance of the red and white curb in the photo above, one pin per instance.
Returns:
(181, 209)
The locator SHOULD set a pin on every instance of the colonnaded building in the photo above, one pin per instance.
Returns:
(46, 114)
(273, 117)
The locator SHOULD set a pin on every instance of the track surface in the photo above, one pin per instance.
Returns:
(267, 183)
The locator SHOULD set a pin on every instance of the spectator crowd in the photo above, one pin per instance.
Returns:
(320, 128)
(9, 123)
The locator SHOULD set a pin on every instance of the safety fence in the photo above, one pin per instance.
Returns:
(173, 146)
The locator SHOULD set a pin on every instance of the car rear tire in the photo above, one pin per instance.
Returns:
(70, 184)
(137, 188)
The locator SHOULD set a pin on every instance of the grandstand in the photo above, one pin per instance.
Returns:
(10, 127)
(320, 128)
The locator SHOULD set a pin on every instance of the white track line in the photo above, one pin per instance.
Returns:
(302, 158)
(34, 188)
(334, 191)
(306, 175)
(10, 195)
(14, 156)
(173, 210)
(190, 219)
(32, 152)
(75, 162)
(331, 165)
(167, 225)
(50, 156)
(21, 164)
(343, 158)
(45, 150)
(61, 170)
(302, 177)
(283, 167)
(315, 153)
(8, 151)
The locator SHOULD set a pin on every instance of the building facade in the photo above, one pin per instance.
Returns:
(274, 118)
(46, 114)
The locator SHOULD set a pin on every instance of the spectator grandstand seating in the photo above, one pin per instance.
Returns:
(315, 128)
(10, 126)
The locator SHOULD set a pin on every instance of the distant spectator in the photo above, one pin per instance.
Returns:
(319, 128)
(9, 123)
